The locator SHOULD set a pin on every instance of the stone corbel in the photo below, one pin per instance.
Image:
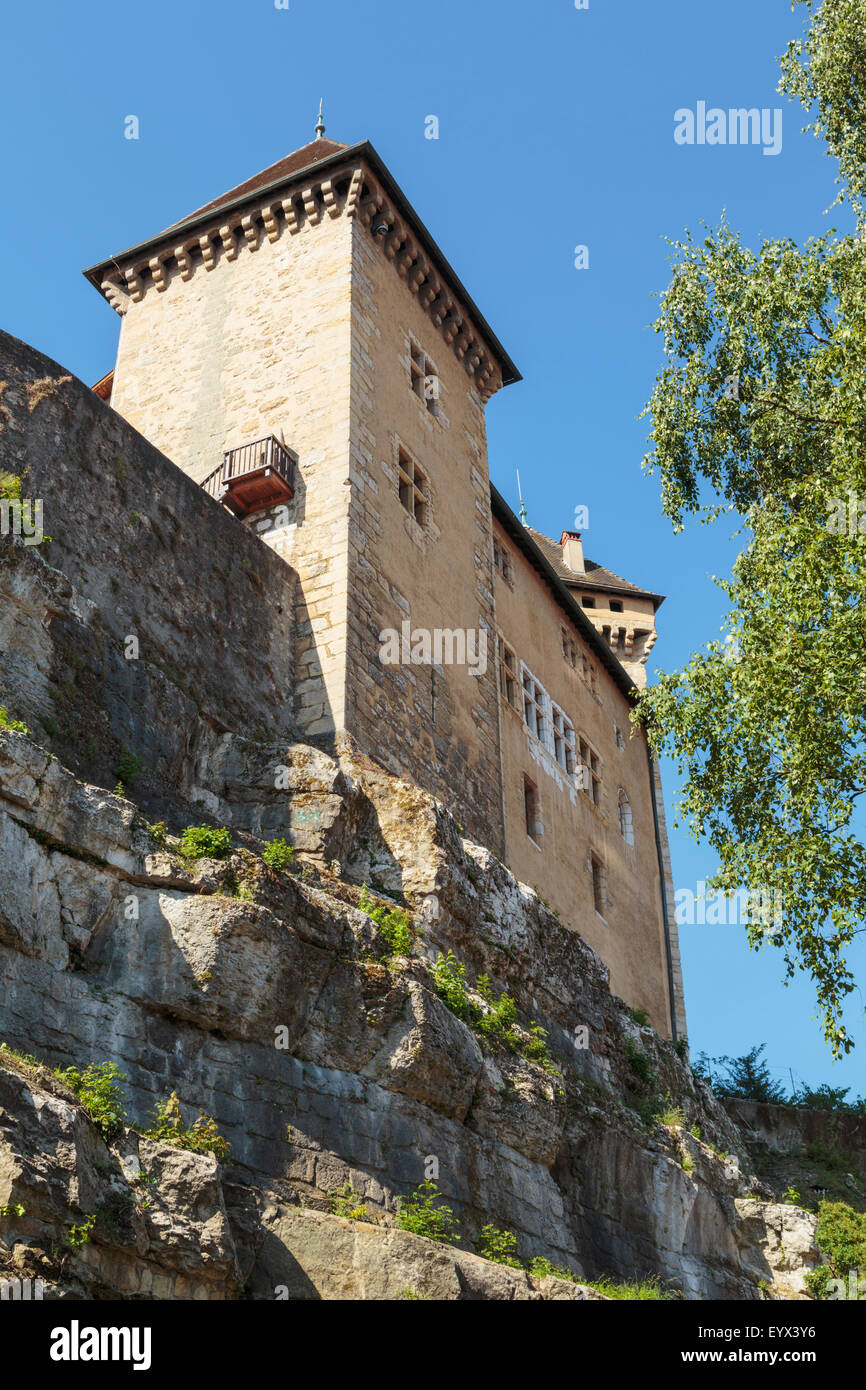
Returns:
(291, 215)
(416, 277)
(229, 241)
(311, 206)
(370, 207)
(441, 307)
(394, 240)
(116, 295)
(269, 217)
(356, 188)
(184, 260)
(250, 229)
(329, 193)
(208, 252)
(491, 384)
(157, 270)
(405, 260)
(451, 324)
(430, 291)
(136, 288)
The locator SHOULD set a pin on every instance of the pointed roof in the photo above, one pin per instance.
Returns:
(313, 159)
(283, 169)
(596, 576)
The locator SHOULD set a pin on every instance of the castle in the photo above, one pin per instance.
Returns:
(301, 347)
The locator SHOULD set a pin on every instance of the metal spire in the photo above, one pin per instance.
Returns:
(523, 517)
(320, 127)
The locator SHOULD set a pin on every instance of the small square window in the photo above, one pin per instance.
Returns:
(502, 561)
(412, 487)
(590, 775)
(534, 698)
(587, 601)
(424, 378)
(615, 605)
(507, 673)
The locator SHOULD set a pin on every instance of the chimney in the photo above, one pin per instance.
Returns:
(572, 552)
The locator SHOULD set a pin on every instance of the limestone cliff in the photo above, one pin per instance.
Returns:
(323, 1057)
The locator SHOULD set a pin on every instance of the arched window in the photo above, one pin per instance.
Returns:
(626, 825)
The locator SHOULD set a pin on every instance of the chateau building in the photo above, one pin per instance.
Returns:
(302, 348)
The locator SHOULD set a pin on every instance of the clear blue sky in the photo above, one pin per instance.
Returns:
(556, 129)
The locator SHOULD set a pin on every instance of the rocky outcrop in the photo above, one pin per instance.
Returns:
(136, 1219)
(140, 1219)
(272, 1002)
(310, 1255)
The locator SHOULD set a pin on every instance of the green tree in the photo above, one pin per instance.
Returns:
(424, 1213)
(841, 1238)
(746, 1078)
(759, 413)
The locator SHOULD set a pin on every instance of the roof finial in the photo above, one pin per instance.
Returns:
(320, 127)
(522, 503)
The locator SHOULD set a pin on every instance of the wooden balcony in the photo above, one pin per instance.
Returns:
(253, 477)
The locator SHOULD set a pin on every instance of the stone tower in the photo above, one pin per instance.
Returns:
(311, 304)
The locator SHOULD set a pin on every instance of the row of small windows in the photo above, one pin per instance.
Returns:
(534, 824)
(588, 602)
(552, 727)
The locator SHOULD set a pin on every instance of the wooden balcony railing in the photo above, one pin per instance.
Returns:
(253, 476)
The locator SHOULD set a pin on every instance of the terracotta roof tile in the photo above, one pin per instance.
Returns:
(292, 163)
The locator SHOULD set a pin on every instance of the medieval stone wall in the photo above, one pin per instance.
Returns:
(629, 931)
(259, 344)
(151, 621)
(436, 722)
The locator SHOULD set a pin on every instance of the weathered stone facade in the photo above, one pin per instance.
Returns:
(312, 305)
(580, 830)
(150, 621)
(262, 346)
(435, 722)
